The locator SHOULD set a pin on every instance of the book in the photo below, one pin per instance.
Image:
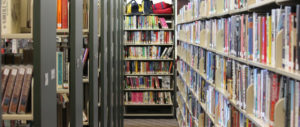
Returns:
(25, 90)
(9, 89)
(59, 69)
(5, 75)
(59, 14)
(163, 23)
(17, 90)
(64, 14)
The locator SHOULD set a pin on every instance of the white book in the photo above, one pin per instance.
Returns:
(254, 36)
(273, 48)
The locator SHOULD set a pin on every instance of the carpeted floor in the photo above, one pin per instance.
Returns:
(150, 123)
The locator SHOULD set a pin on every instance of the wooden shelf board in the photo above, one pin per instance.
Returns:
(17, 36)
(85, 123)
(67, 30)
(17, 116)
(261, 4)
(62, 91)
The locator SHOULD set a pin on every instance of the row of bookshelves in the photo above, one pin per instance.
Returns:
(249, 94)
(191, 14)
(288, 73)
(182, 81)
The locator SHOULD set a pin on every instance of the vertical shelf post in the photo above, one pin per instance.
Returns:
(76, 70)
(104, 68)
(122, 3)
(44, 38)
(93, 68)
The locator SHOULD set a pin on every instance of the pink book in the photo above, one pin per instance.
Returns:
(163, 23)
(141, 97)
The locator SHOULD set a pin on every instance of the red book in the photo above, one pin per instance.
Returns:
(274, 96)
(265, 40)
(64, 14)
(137, 83)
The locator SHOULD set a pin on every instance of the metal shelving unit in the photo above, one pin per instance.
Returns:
(255, 7)
(171, 107)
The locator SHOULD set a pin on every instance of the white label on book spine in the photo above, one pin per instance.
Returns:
(14, 72)
(6, 71)
(29, 71)
(14, 46)
(22, 71)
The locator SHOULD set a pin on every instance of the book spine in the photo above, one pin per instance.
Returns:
(9, 89)
(59, 14)
(25, 90)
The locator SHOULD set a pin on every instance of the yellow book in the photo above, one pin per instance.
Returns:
(269, 32)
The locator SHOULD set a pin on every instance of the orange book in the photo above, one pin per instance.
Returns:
(59, 14)
(170, 68)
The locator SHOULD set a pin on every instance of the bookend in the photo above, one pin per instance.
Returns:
(203, 38)
(201, 120)
(278, 54)
(202, 9)
(220, 39)
(249, 99)
(279, 113)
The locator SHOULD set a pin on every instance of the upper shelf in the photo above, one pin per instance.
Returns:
(250, 8)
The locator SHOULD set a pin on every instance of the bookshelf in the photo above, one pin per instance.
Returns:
(205, 54)
(167, 61)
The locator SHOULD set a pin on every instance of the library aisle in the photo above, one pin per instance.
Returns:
(150, 123)
(150, 63)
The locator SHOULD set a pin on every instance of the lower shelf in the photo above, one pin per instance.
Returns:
(17, 116)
